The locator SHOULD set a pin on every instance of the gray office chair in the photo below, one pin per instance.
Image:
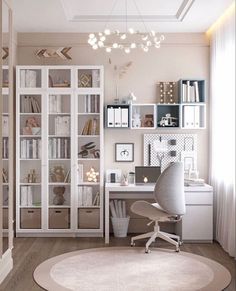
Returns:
(170, 206)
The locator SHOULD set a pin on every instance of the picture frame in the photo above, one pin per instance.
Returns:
(124, 152)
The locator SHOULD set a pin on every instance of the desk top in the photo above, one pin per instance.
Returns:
(116, 187)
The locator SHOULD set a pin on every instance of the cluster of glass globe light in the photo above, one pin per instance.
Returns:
(121, 40)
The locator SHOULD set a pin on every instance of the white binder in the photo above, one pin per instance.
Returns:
(118, 117)
(124, 117)
(197, 116)
(188, 116)
(110, 117)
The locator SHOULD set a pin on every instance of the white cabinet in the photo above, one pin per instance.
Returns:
(197, 223)
(59, 139)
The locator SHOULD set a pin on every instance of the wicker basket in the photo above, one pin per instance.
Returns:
(120, 226)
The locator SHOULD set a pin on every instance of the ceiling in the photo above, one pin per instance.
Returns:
(91, 15)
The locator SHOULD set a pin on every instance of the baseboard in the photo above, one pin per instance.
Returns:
(6, 265)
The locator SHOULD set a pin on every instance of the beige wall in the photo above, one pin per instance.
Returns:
(181, 56)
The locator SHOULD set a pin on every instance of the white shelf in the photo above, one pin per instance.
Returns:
(71, 105)
(88, 183)
(84, 207)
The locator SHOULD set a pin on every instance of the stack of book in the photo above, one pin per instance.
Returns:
(59, 148)
(29, 104)
(91, 127)
(55, 104)
(26, 198)
(85, 197)
(30, 149)
(92, 104)
(190, 92)
(194, 182)
(28, 79)
(5, 148)
(62, 125)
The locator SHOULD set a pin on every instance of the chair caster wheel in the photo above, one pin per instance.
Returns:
(180, 243)
(177, 250)
(147, 251)
(132, 244)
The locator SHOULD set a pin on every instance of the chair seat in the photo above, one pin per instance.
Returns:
(152, 211)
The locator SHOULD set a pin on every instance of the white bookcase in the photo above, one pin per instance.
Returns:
(5, 149)
(59, 142)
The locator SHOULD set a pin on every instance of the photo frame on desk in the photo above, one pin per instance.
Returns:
(124, 152)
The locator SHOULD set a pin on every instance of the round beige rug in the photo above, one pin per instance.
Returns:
(130, 269)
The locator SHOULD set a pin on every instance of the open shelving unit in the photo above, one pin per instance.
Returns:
(59, 138)
(188, 112)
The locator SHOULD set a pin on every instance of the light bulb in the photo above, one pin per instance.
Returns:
(153, 33)
(100, 44)
(115, 45)
(131, 30)
(149, 43)
(145, 37)
(162, 37)
(127, 50)
(108, 49)
(95, 46)
(92, 35)
(123, 36)
(103, 38)
(100, 33)
(157, 45)
(133, 45)
(107, 31)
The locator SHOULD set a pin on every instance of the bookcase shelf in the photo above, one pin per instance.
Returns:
(61, 99)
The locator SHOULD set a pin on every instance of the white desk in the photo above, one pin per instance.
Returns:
(197, 223)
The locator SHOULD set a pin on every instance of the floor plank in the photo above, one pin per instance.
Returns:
(30, 252)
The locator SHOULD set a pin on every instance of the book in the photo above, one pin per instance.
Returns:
(196, 91)
(80, 173)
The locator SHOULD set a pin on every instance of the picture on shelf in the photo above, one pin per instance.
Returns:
(124, 152)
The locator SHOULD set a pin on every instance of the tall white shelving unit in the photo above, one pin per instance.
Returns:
(5, 144)
(65, 106)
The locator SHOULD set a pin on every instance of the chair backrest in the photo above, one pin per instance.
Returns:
(169, 189)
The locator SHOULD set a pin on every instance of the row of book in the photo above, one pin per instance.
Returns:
(190, 92)
(92, 104)
(118, 208)
(55, 103)
(62, 125)
(5, 149)
(85, 197)
(31, 149)
(30, 104)
(91, 127)
(59, 148)
(26, 197)
(28, 78)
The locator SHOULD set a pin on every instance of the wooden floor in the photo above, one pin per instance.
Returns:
(30, 252)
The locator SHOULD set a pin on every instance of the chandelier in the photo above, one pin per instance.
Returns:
(127, 41)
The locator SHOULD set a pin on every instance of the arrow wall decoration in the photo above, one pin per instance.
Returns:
(61, 52)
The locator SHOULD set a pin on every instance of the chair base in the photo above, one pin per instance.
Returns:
(171, 238)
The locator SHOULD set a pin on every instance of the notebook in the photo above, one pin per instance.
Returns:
(146, 175)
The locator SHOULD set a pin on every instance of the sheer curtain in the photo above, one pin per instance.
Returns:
(222, 145)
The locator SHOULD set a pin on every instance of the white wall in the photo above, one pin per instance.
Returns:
(181, 56)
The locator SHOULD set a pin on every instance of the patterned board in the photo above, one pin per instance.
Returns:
(180, 147)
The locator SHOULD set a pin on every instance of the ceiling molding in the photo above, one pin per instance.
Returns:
(179, 16)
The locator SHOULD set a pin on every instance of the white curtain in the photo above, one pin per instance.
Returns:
(222, 146)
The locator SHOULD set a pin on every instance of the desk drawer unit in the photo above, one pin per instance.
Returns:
(30, 218)
(197, 223)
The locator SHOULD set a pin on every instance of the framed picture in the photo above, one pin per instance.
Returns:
(124, 152)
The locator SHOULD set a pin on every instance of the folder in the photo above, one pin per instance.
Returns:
(110, 117)
(124, 117)
(188, 116)
(197, 116)
(118, 117)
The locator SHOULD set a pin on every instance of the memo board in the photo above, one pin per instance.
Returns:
(180, 147)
